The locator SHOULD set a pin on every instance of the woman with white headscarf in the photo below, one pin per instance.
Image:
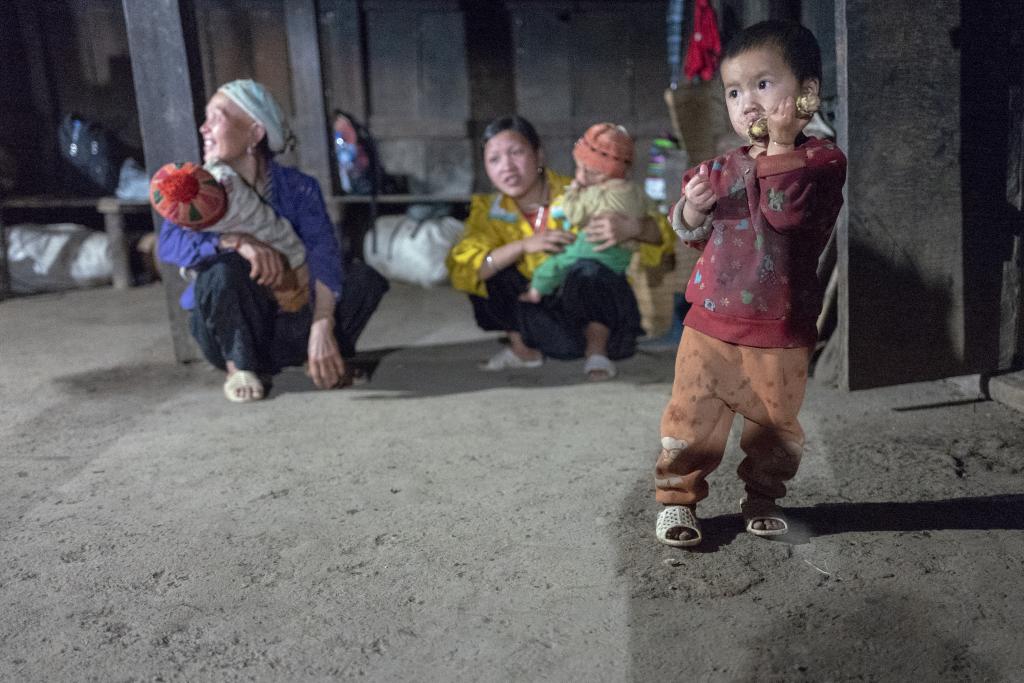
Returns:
(235, 318)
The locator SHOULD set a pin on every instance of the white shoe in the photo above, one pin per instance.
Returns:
(506, 359)
(599, 368)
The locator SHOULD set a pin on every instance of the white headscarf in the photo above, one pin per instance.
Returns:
(256, 101)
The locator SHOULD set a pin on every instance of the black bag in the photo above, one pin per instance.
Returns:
(93, 151)
(360, 171)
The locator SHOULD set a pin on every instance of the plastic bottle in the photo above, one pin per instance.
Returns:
(346, 155)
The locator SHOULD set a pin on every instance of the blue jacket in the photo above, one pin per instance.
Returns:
(294, 196)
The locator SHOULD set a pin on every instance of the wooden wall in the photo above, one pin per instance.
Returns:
(926, 103)
(901, 312)
(427, 75)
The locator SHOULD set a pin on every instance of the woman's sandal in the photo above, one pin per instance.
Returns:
(676, 518)
(243, 379)
(598, 368)
(506, 359)
(760, 510)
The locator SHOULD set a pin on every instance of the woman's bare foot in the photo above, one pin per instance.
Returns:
(242, 386)
(522, 351)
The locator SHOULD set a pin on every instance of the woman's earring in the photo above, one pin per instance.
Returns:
(249, 150)
(540, 170)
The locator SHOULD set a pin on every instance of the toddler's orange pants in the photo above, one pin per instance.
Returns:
(713, 381)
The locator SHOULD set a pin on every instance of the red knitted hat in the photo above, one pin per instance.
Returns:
(188, 195)
(606, 148)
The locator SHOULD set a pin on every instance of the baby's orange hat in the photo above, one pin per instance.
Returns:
(605, 147)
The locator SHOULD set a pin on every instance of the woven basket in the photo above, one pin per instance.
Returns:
(655, 288)
(700, 120)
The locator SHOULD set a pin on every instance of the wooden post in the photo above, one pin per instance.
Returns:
(169, 92)
(341, 33)
(41, 87)
(901, 235)
(113, 224)
(310, 118)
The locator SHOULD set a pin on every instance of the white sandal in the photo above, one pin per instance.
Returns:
(678, 517)
(241, 379)
(506, 359)
(759, 510)
(599, 363)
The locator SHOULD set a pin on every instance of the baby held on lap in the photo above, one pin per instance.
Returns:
(213, 197)
(603, 155)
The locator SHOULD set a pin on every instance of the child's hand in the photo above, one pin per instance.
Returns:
(700, 196)
(784, 125)
(530, 296)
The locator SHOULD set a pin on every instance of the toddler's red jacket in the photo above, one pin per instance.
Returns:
(756, 282)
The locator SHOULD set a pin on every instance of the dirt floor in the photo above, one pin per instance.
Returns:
(443, 524)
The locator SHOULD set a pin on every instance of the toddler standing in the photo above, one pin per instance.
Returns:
(761, 214)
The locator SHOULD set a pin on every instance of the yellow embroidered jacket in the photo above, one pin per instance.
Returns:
(494, 221)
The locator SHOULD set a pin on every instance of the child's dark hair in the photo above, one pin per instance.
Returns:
(514, 123)
(796, 43)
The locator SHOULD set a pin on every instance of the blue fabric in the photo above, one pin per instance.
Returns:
(294, 196)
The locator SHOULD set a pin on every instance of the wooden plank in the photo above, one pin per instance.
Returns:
(648, 58)
(392, 127)
(991, 43)
(392, 46)
(901, 281)
(42, 93)
(225, 42)
(272, 51)
(443, 198)
(310, 119)
(444, 87)
(490, 65)
(602, 74)
(169, 93)
(542, 60)
(342, 39)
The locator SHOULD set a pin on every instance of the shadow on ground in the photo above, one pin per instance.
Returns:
(701, 614)
(442, 370)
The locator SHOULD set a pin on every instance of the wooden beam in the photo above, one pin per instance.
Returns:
(41, 88)
(901, 237)
(309, 121)
(341, 33)
(169, 91)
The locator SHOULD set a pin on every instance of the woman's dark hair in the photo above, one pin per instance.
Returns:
(514, 123)
(263, 148)
(796, 43)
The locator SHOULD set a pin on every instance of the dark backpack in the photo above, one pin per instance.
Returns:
(94, 153)
(355, 150)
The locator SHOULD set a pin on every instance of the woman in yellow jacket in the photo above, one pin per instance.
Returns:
(509, 233)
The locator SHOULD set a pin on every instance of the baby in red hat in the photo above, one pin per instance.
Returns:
(213, 197)
(603, 157)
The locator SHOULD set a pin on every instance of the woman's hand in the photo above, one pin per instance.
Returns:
(607, 230)
(551, 241)
(266, 263)
(325, 365)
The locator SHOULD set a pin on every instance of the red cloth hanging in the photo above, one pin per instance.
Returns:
(705, 45)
